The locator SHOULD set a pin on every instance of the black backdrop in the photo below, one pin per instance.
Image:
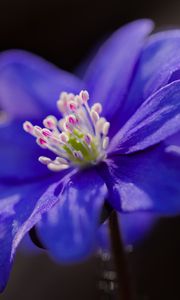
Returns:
(63, 32)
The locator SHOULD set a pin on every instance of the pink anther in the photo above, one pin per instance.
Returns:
(50, 122)
(42, 142)
(72, 120)
(28, 127)
(72, 105)
(46, 132)
(84, 96)
(87, 139)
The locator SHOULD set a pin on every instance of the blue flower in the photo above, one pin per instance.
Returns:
(136, 79)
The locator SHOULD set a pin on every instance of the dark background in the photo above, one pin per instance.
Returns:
(63, 32)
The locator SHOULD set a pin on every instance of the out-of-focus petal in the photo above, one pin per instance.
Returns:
(144, 181)
(133, 226)
(30, 86)
(19, 155)
(69, 229)
(136, 226)
(27, 247)
(173, 139)
(110, 73)
(21, 207)
(156, 119)
(159, 65)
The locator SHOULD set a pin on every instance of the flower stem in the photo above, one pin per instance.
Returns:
(120, 260)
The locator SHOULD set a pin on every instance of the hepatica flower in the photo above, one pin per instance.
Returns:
(113, 136)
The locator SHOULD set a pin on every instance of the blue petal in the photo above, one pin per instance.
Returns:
(173, 139)
(69, 229)
(27, 247)
(110, 73)
(159, 65)
(145, 181)
(21, 207)
(30, 86)
(155, 120)
(19, 155)
(134, 227)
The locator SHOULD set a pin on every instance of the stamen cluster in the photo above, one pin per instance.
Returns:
(79, 138)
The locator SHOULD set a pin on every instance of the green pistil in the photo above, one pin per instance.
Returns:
(90, 154)
(78, 133)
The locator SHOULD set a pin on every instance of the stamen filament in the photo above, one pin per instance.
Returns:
(79, 138)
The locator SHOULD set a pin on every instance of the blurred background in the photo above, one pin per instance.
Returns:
(63, 32)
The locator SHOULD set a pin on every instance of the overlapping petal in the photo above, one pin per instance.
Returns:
(134, 227)
(19, 155)
(110, 73)
(69, 229)
(21, 207)
(144, 181)
(30, 86)
(157, 119)
(173, 139)
(159, 64)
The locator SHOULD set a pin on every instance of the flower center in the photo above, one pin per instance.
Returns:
(78, 139)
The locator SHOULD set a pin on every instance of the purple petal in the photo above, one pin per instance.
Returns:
(19, 155)
(69, 229)
(156, 119)
(173, 139)
(30, 86)
(134, 227)
(19, 211)
(110, 73)
(159, 65)
(21, 207)
(27, 247)
(144, 181)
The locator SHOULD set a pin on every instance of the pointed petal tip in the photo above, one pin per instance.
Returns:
(148, 23)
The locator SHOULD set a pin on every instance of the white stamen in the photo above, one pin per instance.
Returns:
(84, 96)
(71, 119)
(61, 106)
(105, 128)
(57, 167)
(67, 126)
(44, 160)
(63, 138)
(46, 132)
(78, 154)
(71, 96)
(50, 122)
(94, 116)
(105, 143)
(41, 142)
(72, 106)
(78, 100)
(61, 124)
(63, 96)
(87, 139)
(28, 127)
(97, 107)
(61, 160)
(99, 124)
(37, 131)
(81, 128)
(54, 140)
